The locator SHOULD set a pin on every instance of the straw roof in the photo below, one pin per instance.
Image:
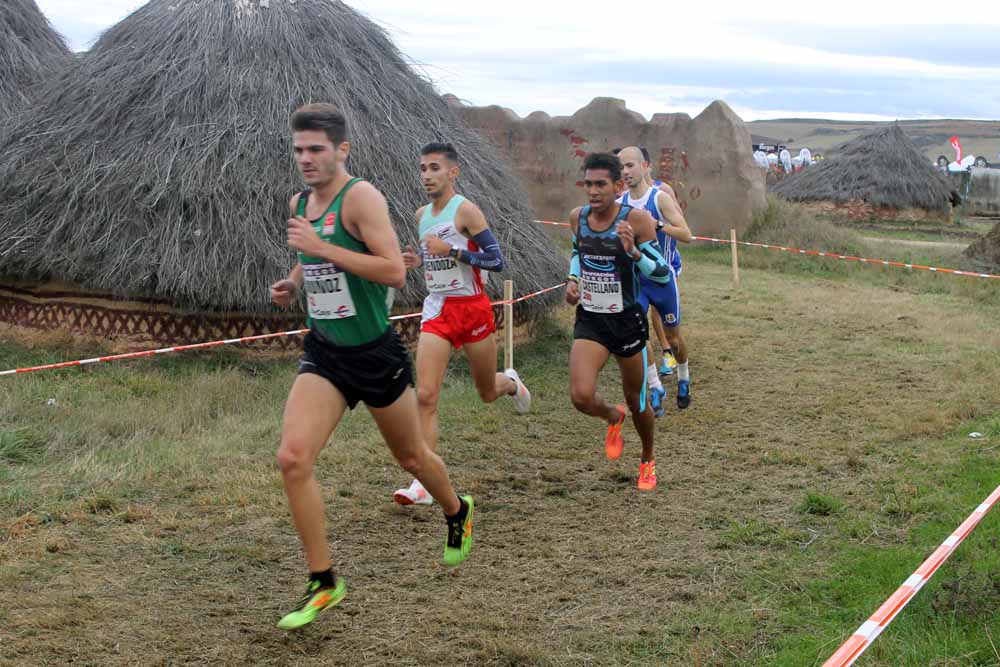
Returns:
(883, 168)
(161, 165)
(30, 54)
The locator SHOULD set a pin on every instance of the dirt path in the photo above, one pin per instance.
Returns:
(799, 385)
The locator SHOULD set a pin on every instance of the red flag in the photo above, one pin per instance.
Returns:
(957, 145)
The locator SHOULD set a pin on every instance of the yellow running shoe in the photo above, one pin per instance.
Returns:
(315, 600)
(668, 363)
(458, 543)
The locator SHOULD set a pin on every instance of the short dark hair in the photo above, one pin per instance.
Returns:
(321, 118)
(645, 155)
(440, 148)
(605, 161)
(616, 151)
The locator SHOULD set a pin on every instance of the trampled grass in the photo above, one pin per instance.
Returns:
(825, 455)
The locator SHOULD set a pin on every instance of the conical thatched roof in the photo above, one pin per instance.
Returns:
(162, 165)
(883, 168)
(31, 53)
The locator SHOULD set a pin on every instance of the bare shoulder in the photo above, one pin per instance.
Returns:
(470, 219)
(293, 203)
(363, 192)
(468, 208)
(362, 200)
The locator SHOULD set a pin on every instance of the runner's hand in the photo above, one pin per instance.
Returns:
(436, 246)
(282, 293)
(303, 238)
(411, 259)
(627, 236)
(572, 293)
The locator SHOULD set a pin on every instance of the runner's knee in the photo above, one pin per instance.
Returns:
(411, 462)
(427, 397)
(294, 459)
(487, 393)
(582, 397)
(633, 399)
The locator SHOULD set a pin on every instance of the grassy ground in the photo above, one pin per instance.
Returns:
(826, 454)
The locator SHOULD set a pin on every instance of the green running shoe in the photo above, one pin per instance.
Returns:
(459, 541)
(314, 601)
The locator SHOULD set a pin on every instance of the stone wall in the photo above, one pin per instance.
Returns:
(857, 210)
(708, 160)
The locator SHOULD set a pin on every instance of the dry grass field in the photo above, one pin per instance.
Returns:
(825, 455)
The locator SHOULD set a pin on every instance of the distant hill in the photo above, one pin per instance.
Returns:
(979, 137)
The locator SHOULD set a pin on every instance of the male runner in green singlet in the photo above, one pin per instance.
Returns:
(349, 259)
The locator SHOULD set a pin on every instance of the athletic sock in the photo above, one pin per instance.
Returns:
(653, 378)
(326, 579)
(682, 372)
(462, 511)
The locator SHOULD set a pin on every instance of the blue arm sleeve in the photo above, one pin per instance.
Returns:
(488, 258)
(574, 260)
(652, 264)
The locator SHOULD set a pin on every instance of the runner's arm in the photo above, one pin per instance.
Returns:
(296, 274)
(365, 207)
(674, 225)
(574, 258)
(472, 223)
(645, 251)
(413, 258)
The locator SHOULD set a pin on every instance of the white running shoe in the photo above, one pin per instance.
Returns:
(522, 399)
(415, 494)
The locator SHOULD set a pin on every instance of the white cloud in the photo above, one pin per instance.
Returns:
(516, 53)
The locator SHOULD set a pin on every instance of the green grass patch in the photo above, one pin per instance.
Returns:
(818, 504)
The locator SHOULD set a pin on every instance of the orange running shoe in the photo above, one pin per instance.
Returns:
(647, 476)
(613, 441)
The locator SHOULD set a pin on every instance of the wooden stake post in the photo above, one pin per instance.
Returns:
(736, 259)
(508, 324)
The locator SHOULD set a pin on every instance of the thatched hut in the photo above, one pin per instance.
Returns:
(880, 175)
(31, 53)
(163, 175)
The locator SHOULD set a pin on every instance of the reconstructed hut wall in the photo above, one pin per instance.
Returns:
(980, 191)
(881, 172)
(858, 211)
(986, 251)
(31, 53)
(161, 166)
(134, 322)
(708, 160)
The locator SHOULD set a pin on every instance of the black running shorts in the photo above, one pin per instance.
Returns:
(376, 373)
(623, 334)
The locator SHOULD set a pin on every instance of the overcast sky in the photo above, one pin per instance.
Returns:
(849, 59)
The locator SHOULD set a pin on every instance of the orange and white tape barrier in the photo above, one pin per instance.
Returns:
(819, 253)
(850, 258)
(880, 620)
(218, 343)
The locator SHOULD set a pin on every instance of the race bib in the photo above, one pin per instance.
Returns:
(443, 274)
(327, 292)
(601, 292)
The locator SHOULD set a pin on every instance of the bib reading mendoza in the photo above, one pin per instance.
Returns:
(444, 275)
